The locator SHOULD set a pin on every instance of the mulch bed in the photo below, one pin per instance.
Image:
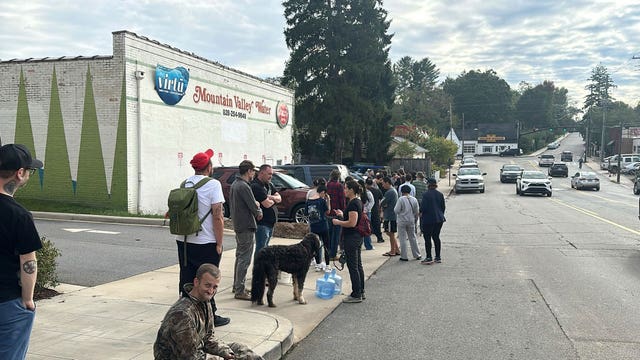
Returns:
(44, 293)
(282, 229)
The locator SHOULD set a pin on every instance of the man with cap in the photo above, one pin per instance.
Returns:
(431, 219)
(19, 241)
(205, 246)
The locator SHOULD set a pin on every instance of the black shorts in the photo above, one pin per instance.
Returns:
(390, 226)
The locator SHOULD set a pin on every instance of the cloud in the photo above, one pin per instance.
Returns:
(528, 41)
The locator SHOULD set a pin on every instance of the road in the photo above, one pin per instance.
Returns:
(97, 253)
(523, 277)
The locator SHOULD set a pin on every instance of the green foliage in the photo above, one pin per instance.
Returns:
(544, 106)
(482, 97)
(47, 266)
(440, 150)
(405, 149)
(340, 68)
(600, 83)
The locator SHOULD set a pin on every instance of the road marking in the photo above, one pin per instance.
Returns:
(594, 215)
(73, 230)
(76, 230)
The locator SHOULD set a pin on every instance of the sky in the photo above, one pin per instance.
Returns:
(530, 41)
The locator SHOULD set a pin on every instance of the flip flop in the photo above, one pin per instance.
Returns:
(388, 254)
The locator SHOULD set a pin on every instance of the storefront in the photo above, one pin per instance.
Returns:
(119, 131)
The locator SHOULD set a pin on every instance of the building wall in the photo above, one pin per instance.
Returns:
(108, 140)
(172, 134)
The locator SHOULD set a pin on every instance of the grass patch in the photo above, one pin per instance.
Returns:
(72, 208)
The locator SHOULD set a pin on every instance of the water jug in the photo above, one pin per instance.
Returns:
(325, 287)
(338, 280)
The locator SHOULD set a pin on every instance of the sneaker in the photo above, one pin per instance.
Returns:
(418, 257)
(380, 240)
(401, 259)
(363, 297)
(350, 299)
(242, 296)
(438, 260)
(220, 321)
(427, 261)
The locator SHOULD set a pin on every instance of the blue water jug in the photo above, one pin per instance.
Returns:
(338, 280)
(325, 287)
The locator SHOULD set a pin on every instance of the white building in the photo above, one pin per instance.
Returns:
(119, 131)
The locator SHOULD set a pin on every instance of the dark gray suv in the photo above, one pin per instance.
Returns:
(558, 169)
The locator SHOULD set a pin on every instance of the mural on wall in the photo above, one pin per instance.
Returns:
(56, 184)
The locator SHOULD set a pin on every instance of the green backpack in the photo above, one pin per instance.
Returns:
(183, 211)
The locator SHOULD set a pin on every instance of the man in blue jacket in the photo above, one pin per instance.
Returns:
(431, 219)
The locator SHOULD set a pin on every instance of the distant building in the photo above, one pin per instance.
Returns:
(484, 138)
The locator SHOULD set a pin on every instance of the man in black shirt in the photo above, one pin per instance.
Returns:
(267, 195)
(375, 211)
(19, 241)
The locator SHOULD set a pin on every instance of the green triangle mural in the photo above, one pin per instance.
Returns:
(24, 135)
(57, 173)
(92, 180)
(119, 176)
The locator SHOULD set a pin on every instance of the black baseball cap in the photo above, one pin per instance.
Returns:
(17, 156)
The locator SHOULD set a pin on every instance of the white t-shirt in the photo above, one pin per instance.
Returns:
(208, 194)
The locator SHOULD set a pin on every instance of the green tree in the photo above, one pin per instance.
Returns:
(482, 96)
(339, 65)
(544, 106)
(405, 150)
(440, 150)
(599, 88)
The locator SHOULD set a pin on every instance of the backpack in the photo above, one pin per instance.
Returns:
(364, 225)
(183, 211)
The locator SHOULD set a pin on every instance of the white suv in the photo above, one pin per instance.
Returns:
(611, 163)
(533, 182)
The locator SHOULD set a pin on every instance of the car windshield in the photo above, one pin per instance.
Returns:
(281, 180)
(588, 175)
(469, 171)
(533, 175)
(511, 168)
(559, 165)
(547, 157)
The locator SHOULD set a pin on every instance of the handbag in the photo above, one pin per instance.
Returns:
(364, 225)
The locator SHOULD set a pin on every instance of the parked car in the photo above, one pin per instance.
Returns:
(631, 169)
(510, 172)
(546, 160)
(566, 156)
(469, 161)
(558, 169)
(533, 182)
(553, 145)
(292, 191)
(469, 179)
(611, 163)
(585, 180)
(307, 173)
(511, 152)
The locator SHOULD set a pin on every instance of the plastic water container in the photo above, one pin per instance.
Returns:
(325, 287)
(338, 280)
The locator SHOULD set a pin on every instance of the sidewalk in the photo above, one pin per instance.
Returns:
(119, 320)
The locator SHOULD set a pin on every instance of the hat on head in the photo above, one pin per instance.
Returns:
(201, 159)
(17, 156)
(432, 181)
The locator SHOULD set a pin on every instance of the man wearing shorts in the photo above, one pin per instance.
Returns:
(389, 216)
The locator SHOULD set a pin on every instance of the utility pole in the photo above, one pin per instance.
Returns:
(604, 111)
(619, 153)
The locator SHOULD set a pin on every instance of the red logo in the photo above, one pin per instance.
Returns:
(282, 115)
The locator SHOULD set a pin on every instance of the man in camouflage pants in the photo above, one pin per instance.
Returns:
(178, 338)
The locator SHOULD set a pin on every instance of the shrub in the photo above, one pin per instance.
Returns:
(47, 274)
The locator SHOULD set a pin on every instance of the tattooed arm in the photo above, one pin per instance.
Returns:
(28, 275)
(217, 213)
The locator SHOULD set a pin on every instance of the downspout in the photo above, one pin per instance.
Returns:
(139, 76)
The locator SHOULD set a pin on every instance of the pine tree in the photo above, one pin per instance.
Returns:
(340, 68)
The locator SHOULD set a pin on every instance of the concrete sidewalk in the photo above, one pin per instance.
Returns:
(119, 320)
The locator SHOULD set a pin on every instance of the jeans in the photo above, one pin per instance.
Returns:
(16, 323)
(244, 248)
(335, 240)
(367, 239)
(352, 245)
(432, 231)
(263, 235)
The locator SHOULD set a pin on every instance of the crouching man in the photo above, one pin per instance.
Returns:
(187, 329)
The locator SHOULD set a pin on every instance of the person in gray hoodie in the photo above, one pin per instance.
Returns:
(407, 211)
(244, 212)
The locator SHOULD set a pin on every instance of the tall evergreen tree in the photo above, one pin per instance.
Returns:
(339, 65)
(599, 88)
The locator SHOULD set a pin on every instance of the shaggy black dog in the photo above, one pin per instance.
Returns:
(293, 259)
